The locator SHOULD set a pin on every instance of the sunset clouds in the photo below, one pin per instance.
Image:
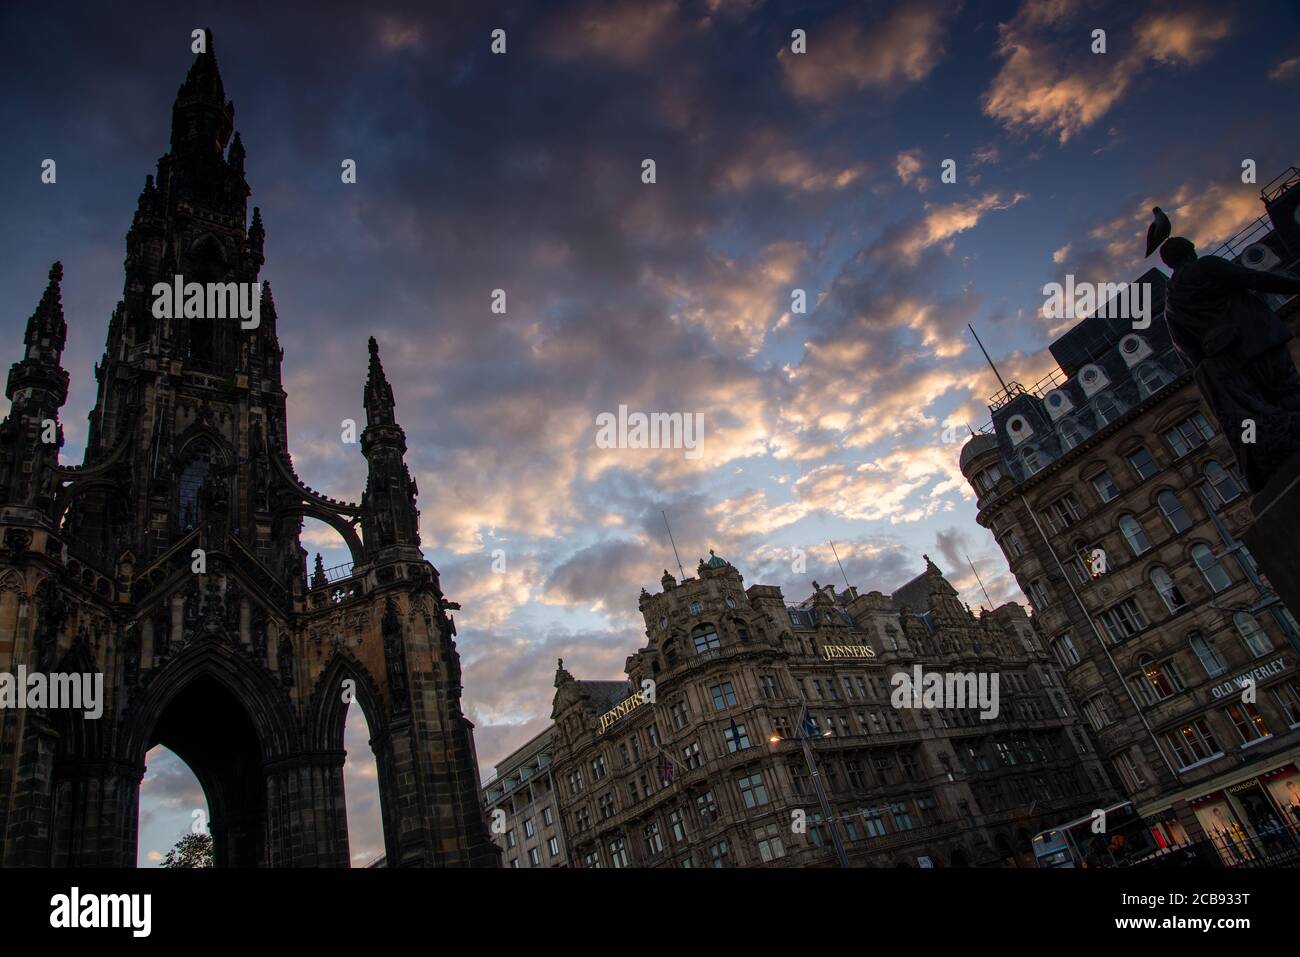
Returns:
(1051, 80)
(835, 417)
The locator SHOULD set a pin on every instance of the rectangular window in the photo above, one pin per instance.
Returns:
(1097, 710)
(677, 825)
(1143, 464)
(591, 860)
(547, 817)
(874, 822)
(1012, 544)
(723, 696)
(1193, 742)
(719, 854)
(1287, 696)
(929, 810)
(752, 790)
(1065, 651)
(598, 767)
(1063, 513)
(1130, 771)
(618, 852)
(654, 842)
(706, 807)
(528, 827)
(1189, 434)
(767, 684)
(911, 768)
(737, 738)
(902, 816)
(1248, 722)
(680, 714)
(534, 857)
(691, 755)
(987, 479)
(769, 843)
(1123, 621)
(553, 846)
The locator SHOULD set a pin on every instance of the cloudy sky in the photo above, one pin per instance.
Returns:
(775, 171)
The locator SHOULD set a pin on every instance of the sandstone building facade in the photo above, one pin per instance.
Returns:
(170, 563)
(693, 761)
(1118, 506)
(523, 807)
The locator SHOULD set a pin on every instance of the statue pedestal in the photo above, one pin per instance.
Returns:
(1274, 536)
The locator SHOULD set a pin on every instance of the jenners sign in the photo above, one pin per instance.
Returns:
(847, 651)
(625, 706)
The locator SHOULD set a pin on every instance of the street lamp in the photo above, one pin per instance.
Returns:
(807, 732)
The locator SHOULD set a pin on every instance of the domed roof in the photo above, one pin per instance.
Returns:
(714, 561)
(978, 445)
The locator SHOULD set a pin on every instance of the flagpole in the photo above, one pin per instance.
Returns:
(806, 742)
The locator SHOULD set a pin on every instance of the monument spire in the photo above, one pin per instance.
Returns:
(390, 518)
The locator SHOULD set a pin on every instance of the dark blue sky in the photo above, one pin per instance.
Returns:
(819, 171)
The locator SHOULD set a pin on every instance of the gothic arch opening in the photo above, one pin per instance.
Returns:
(347, 719)
(209, 729)
(172, 804)
(361, 789)
(320, 538)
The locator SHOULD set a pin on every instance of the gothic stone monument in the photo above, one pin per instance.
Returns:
(239, 668)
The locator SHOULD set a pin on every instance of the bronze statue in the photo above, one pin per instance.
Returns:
(1237, 348)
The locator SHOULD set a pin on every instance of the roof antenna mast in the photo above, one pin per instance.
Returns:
(986, 356)
(981, 581)
(847, 586)
(674, 544)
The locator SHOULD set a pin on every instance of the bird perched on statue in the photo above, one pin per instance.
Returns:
(1158, 231)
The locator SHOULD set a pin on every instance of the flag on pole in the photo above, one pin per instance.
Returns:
(666, 770)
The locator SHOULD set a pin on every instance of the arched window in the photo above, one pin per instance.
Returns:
(1070, 435)
(1214, 574)
(1134, 534)
(1252, 634)
(192, 478)
(705, 638)
(1224, 485)
(1207, 654)
(1175, 514)
(670, 653)
(1164, 584)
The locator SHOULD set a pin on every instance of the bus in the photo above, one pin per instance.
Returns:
(1124, 840)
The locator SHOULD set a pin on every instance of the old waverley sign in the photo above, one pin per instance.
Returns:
(1274, 667)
